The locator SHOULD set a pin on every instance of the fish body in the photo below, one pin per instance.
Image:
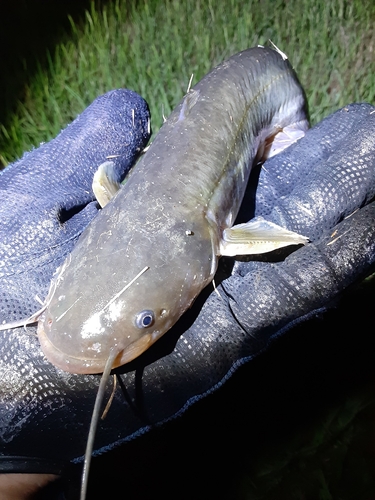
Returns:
(147, 255)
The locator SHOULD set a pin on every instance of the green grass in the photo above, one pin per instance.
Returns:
(153, 46)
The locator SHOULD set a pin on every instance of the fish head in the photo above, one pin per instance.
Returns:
(122, 292)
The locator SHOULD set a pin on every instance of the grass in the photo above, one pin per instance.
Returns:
(153, 46)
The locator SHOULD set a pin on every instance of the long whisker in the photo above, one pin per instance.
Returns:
(94, 420)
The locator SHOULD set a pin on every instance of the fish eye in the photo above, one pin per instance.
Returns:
(145, 318)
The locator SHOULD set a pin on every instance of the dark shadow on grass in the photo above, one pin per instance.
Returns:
(30, 28)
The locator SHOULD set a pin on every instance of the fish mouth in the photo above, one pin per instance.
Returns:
(134, 350)
(85, 365)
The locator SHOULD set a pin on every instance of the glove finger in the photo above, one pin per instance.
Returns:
(47, 199)
(324, 177)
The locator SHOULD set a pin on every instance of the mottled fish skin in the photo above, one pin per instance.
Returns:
(147, 255)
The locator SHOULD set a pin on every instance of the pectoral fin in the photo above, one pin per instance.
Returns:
(105, 183)
(257, 236)
(287, 136)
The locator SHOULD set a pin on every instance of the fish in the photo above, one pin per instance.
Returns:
(150, 251)
(147, 255)
(156, 242)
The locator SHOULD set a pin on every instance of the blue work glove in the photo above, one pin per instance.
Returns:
(320, 187)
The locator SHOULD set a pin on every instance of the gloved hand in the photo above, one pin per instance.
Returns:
(320, 187)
